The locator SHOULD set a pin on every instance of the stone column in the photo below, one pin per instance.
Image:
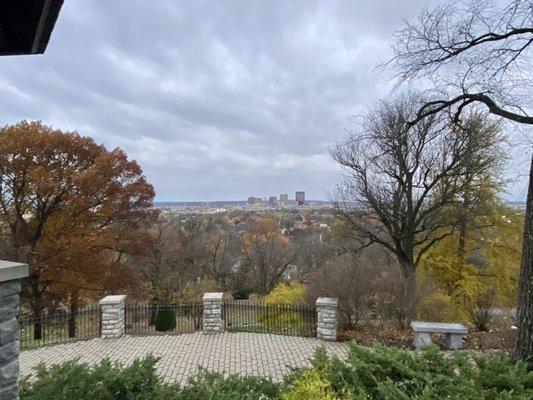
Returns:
(10, 276)
(112, 316)
(212, 312)
(326, 310)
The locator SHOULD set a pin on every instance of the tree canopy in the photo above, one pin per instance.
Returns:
(70, 209)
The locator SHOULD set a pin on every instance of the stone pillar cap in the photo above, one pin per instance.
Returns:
(113, 299)
(13, 270)
(213, 296)
(327, 301)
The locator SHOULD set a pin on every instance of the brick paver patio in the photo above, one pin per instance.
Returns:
(181, 355)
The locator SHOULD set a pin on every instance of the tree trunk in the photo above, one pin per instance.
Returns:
(36, 308)
(37, 329)
(410, 295)
(463, 226)
(524, 343)
(72, 316)
(153, 311)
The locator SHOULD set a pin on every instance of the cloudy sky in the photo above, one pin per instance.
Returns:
(215, 99)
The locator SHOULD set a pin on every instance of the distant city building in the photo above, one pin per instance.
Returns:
(254, 200)
(272, 199)
(283, 200)
(300, 198)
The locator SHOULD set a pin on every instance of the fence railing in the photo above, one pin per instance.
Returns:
(141, 317)
(284, 319)
(59, 326)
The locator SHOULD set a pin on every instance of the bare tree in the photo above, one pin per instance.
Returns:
(473, 52)
(401, 179)
(224, 250)
(315, 249)
(477, 53)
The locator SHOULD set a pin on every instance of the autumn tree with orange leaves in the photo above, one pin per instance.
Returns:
(267, 254)
(72, 210)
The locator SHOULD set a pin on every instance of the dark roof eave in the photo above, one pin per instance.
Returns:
(26, 25)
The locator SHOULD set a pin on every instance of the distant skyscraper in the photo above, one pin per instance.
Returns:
(254, 200)
(272, 199)
(300, 198)
(284, 197)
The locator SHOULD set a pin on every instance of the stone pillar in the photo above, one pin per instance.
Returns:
(326, 310)
(10, 276)
(212, 312)
(112, 316)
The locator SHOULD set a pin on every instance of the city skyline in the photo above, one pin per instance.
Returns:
(222, 112)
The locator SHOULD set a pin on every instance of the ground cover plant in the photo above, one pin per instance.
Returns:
(380, 372)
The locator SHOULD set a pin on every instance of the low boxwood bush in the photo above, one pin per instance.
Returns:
(380, 373)
(165, 320)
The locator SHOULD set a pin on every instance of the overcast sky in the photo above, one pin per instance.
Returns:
(217, 100)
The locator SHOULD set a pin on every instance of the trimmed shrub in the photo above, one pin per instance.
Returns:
(165, 320)
(106, 381)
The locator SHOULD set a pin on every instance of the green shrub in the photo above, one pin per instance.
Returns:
(214, 386)
(380, 373)
(241, 291)
(165, 320)
(111, 381)
(385, 373)
(106, 381)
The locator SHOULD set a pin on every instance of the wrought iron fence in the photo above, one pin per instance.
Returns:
(284, 319)
(59, 326)
(141, 318)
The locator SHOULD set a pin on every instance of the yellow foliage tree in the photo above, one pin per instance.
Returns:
(491, 263)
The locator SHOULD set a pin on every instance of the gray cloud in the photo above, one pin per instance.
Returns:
(215, 99)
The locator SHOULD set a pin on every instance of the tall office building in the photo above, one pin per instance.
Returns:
(300, 198)
(254, 200)
(284, 197)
